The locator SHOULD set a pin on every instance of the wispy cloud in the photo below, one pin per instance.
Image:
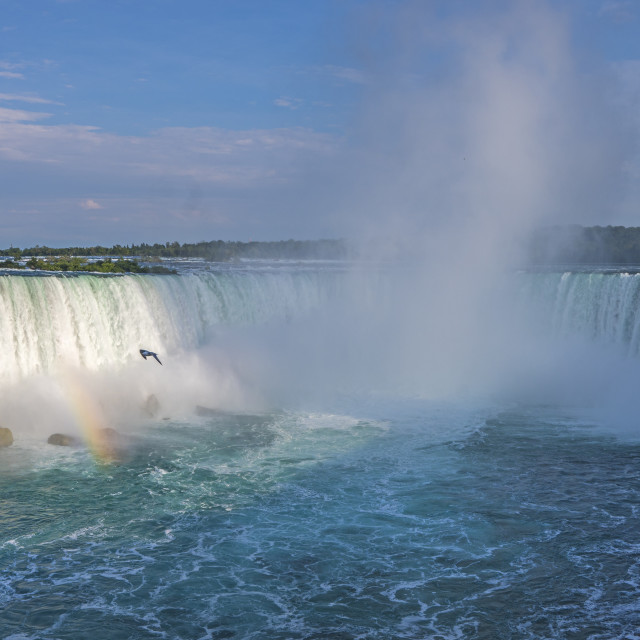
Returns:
(19, 115)
(206, 154)
(289, 103)
(10, 70)
(349, 74)
(90, 205)
(619, 10)
(14, 97)
(15, 70)
(256, 178)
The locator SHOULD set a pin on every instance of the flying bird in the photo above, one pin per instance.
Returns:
(144, 353)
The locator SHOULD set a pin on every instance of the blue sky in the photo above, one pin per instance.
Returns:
(159, 120)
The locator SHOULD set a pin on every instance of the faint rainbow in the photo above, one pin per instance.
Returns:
(89, 419)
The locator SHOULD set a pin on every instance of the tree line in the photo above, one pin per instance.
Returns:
(574, 244)
(570, 244)
(214, 251)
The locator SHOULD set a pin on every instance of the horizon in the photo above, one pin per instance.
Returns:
(166, 243)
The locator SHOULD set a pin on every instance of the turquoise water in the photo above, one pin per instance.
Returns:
(364, 514)
(443, 525)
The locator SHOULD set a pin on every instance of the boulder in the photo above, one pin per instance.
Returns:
(111, 445)
(6, 437)
(109, 433)
(152, 406)
(62, 440)
(207, 411)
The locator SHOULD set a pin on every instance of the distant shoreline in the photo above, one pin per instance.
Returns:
(569, 245)
(78, 264)
(213, 251)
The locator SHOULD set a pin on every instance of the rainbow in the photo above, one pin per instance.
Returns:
(90, 420)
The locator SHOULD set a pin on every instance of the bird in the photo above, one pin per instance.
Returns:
(144, 353)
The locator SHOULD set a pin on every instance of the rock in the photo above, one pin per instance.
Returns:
(111, 446)
(152, 406)
(109, 434)
(6, 437)
(206, 411)
(62, 440)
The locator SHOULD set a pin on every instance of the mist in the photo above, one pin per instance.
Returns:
(80, 403)
(473, 133)
(476, 130)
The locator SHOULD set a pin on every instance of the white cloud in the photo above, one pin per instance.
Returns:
(90, 205)
(289, 103)
(14, 97)
(18, 115)
(10, 70)
(345, 73)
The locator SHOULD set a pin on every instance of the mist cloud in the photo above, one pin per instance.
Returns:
(474, 130)
(483, 126)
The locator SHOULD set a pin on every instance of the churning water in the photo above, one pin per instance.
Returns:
(264, 494)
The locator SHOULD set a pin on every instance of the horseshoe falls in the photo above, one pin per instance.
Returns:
(99, 321)
(328, 451)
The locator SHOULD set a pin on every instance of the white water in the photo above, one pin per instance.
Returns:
(600, 306)
(68, 337)
(101, 322)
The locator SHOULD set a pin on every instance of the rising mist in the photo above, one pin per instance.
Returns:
(473, 132)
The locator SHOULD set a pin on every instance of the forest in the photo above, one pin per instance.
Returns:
(577, 245)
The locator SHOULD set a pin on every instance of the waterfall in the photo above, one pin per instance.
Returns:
(601, 306)
(97, 322)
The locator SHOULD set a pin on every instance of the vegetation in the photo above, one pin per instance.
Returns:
(75, 264)
(214, 251)
(586, 245)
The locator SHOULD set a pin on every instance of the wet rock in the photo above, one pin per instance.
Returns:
(62, 440)
(207, 411)
(111, 445)
(110, 435)
(152, 406)
(6, 437)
